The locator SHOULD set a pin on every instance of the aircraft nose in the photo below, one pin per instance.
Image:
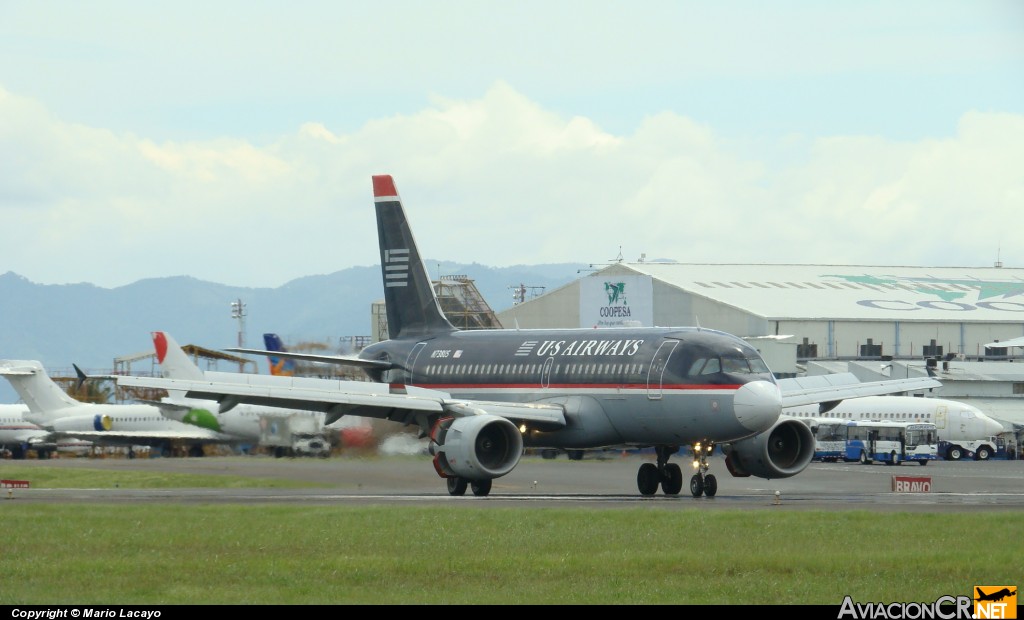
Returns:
(757, 405)
(993, 427)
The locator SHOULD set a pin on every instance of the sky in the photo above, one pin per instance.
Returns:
(235, 142)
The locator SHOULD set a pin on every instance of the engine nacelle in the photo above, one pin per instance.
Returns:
(476, 447)
(784, 450)
(97, 422)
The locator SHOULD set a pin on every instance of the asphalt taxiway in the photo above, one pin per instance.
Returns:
(607, 481)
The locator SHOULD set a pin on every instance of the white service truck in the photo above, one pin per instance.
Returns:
(977, 449)
(294, 434)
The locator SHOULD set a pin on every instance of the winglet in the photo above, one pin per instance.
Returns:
(384, 186)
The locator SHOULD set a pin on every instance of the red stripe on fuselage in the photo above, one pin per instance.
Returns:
(567, 386)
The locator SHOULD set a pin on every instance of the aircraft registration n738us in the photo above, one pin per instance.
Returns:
(482, 396)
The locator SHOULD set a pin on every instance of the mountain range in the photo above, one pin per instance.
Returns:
(84, 324)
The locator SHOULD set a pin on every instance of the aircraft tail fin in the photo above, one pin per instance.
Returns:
(38, 391)
(174, 362)
(279, 366)
(409, 299)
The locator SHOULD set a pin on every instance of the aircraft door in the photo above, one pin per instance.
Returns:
(545, 372)
(410, 362)
(656, 372)
(941, 415)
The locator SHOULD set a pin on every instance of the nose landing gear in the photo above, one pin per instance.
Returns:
(702, 482)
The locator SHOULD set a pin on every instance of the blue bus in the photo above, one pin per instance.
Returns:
(890, 442)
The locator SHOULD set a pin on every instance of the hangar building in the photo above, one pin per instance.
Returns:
(895, 317)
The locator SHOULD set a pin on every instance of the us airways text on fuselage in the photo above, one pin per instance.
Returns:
(588, 347)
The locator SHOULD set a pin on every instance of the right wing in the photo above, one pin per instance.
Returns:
(335, 398)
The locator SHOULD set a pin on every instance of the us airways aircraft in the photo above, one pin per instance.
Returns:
(482, 396)
(51, 408)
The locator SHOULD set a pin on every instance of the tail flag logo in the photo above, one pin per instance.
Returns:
(396, 266)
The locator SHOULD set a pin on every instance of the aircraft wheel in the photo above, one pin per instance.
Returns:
(481, 487)
(673, 481)
(696, 485)
(982, 454)
(457, 485)
(647, 479)
(710, 485)
(575, 455)
(549, 454)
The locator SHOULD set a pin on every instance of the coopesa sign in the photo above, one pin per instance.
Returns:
(950, 306)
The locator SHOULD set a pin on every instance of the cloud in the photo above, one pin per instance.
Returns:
(500, 180)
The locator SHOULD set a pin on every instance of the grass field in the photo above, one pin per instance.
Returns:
(115, 553)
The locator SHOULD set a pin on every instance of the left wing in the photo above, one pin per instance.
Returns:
(335, 398)
(829, 390)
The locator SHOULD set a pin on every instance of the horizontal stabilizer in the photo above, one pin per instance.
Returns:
(341, 360)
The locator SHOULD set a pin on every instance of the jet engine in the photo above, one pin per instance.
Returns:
(83, 423)
(476, 447)
(784, 450)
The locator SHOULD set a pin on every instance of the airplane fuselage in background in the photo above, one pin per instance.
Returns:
(953, 420)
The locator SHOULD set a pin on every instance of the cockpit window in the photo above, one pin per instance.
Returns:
(744, 365)
(704, 366)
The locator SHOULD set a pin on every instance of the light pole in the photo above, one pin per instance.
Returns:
(238, 312)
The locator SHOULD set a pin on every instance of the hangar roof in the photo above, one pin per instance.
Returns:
(858, 292)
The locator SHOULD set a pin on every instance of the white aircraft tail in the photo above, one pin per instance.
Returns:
(174, 362)
(39, 392)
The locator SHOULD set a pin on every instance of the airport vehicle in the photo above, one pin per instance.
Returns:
(963, 429)
(294, 434)
(892, 443)
(829, 439)
(52, 409)
(482, 396)
(18, 435)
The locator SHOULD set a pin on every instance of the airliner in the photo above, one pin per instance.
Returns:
(242, 422)
(962, 427)
(19, 435)
(52, 409)
(279, 366)
(483, 396)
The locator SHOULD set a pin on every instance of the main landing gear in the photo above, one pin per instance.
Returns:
(670, 476)
(458, 486)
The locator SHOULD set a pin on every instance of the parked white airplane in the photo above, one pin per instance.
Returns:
(241, 422)
(51, 408)
(963, 428)
(19, 435)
